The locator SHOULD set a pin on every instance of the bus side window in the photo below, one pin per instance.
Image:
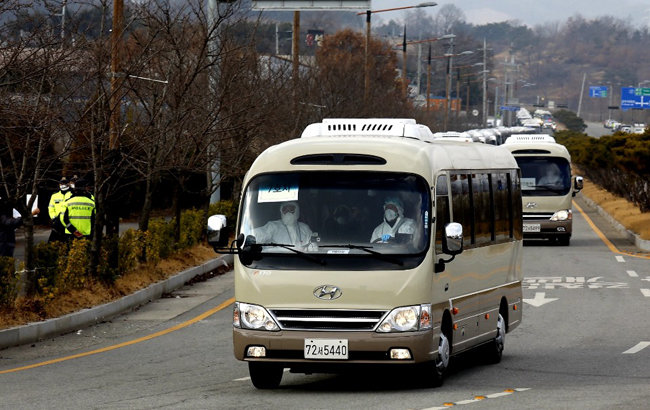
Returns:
(502, 206)
(442, 210)
(461, 206)
(482, 209)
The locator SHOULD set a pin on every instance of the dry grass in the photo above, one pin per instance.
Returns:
(624, 211)
(95, 293)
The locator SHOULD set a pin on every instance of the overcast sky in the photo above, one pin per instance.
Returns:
(532, 12)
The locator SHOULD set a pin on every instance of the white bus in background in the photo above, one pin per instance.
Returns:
(547, 186)
(368, 242)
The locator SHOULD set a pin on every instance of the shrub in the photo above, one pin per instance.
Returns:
(46, 262)
(74, 271)
(192, 228)
(8, 281)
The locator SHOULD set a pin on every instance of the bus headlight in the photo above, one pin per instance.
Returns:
(407, 319)
(247, 316)
(563, 215)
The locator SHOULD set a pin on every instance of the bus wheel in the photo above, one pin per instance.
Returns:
(265, 375)
(432, 373)
(494, 349)
(441, 363)
(564, 240)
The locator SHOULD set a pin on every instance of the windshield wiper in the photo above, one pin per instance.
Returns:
(292, 249)
(548, 188)
(368, 249)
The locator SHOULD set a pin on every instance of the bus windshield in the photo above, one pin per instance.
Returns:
(544, 176)
(337, 214)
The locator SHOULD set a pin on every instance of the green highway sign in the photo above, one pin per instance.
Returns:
(642, 91)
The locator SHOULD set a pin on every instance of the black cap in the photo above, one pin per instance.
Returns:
(81, 183)
(63, 180)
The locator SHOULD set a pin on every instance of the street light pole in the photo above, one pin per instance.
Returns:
(366, 85)
(404, 81)
(368, 13)
(428, 78)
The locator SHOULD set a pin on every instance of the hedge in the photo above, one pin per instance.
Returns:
(60, 267)
(619, 163)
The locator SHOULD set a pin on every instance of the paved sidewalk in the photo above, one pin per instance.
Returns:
(33, 332)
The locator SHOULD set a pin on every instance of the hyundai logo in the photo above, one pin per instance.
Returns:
(531, 205)
(328, 292)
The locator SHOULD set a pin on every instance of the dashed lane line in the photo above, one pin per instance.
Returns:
(646, 292)
(619, 258)
(636, 349)
(477, 399)
(632, 274)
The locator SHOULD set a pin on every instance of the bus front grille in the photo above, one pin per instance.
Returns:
(324, 319)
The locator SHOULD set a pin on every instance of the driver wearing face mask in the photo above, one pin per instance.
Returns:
(287, 230)
(393, 222)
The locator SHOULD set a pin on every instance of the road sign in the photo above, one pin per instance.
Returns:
(509, 108)
(642, 91)
(635, 98)
(599, 91)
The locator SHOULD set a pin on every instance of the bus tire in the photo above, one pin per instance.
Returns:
(265, 375)
(564, 240)
(494, 349)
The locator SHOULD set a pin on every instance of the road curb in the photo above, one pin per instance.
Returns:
(33, 332)
(642, 244)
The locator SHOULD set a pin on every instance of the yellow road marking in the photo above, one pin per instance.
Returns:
(130, 342)
(602, 236)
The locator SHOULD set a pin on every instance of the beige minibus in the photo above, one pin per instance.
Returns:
(369, 242)
(547, 187)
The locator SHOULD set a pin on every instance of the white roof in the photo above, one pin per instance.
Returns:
(368, 127)
(530, 139)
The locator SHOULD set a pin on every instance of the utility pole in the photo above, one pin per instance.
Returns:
(582, 91)
(485, 83)
(116, 81)
(213, 47)
(295, 52)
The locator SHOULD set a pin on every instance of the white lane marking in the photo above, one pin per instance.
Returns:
(646, 292)
(539, 299)
(636, 349)
(632, 274)
(620, 258)
(479, 398)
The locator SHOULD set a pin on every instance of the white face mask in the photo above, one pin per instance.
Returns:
(289, 218)
(63, 187)
(390, 215)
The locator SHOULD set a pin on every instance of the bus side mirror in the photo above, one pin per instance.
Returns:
(218, 231)
(578, 184)
(452, 242)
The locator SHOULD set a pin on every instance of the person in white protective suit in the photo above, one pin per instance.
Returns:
(394, 222)
(287, 230)
(552, 176)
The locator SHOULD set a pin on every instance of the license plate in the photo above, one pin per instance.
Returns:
(532, 227)
(326, 348)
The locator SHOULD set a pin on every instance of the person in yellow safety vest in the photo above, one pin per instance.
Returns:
(56, 206)
(78, 218)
